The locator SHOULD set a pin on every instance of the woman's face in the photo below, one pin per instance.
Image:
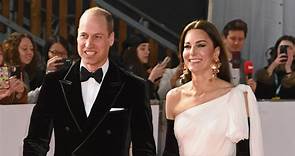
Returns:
(26, 50)
(57, 49)
(143, 52)
(198, 51)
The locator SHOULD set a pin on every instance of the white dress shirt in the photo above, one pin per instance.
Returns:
(90, 88)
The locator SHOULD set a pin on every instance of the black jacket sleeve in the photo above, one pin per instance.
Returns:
(243, 147)
(171, 145)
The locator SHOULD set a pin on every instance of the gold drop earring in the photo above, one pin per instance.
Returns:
(215, 68)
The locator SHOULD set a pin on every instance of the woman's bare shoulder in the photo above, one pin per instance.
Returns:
(172, 100)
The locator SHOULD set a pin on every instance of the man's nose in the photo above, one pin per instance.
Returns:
(89, 42)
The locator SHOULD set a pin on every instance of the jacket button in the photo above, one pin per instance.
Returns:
(109, 132)
(67, 128)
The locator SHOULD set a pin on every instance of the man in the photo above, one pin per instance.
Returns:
(98, 116)
(234, 36)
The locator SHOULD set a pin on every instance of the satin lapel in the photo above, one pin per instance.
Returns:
(107, 96)
(71, 88)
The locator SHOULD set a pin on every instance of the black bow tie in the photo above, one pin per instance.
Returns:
(85, 74)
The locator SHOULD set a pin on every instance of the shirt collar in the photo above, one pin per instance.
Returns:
(104, 67)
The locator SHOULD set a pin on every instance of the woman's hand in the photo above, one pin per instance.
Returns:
(176, 76)
(5, 92)
(289, 62)
(252, 83)
(157, 72)
(53, 64)
(16, 85)
(281, 58)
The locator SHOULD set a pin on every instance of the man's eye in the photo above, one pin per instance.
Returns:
(98, 37)
(83, 36)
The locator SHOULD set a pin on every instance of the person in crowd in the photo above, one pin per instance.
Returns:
(208, 115)
(4, 91)
(234, 36)
(277, 79)
(56, 56)
(19, 57)
(94, 107)
(170, 79)
(56, 49)
(1, 56)
(20, 52)
(136, 58)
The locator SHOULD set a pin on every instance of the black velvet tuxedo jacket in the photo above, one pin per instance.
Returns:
(120, 114)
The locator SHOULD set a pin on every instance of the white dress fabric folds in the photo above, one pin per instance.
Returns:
(213, 128)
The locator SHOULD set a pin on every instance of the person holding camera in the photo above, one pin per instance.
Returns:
(277, 80)
(20, 56)
(57, 58)
(136, 56)
(56, 49)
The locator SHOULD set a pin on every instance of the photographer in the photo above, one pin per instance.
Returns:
(277, 80)
(56, 50)
(56, 56)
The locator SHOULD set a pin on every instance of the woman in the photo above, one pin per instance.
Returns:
(20, 52)
(4, 91)
(210, 114)
(19, 56)
(56, 54)
(277, 80)
(56, 49)
(136, 58)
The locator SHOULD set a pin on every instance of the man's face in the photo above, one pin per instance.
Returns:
(234, 41)
(94, 40)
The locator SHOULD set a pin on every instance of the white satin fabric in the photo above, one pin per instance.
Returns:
(213, 128)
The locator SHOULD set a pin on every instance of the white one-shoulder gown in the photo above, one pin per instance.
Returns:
(213, 128)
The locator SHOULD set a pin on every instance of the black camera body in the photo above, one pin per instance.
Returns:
(284, 49)
(66, 63)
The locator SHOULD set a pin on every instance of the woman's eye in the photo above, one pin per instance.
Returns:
(186, 46)
(201, 45)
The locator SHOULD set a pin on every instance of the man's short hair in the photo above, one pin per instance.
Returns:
(236, 24)
(98, 11)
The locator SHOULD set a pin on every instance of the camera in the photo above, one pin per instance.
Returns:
(15, 71)
(4, 77)
(283, 49)
(66, 63)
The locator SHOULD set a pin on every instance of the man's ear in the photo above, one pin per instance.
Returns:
(111, 38)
